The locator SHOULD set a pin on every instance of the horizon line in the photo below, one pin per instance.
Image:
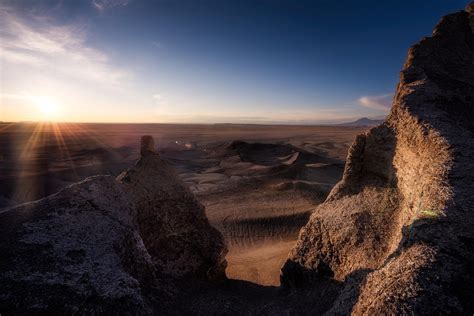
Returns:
(340, 124)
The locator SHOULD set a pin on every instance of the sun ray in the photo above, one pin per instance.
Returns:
(32, 143)
(95, 137)
(6, 127)
(63, 148)
(27, 186)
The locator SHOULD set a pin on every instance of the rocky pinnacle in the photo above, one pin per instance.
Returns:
(147, 145)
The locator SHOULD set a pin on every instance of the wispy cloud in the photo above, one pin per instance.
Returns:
(156, 44)
(376, 102)
(157, 97)
(103, 5)
(14, 96)
(36, 42)
(160, 102)
(20, 96)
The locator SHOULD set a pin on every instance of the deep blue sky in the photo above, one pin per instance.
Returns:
(212, 61)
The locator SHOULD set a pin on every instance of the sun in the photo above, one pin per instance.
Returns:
(47, 106)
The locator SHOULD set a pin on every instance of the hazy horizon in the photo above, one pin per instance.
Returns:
(263, 123)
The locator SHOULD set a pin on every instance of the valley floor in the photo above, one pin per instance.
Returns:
(258, 183)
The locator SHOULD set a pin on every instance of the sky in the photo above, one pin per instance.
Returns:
(198, 61)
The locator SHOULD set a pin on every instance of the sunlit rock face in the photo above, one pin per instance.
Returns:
(108, 245)
(397, 230)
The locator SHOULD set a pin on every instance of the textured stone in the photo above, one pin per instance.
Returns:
(147, 145)
(397, 230)
(108, 245)
(172, 223)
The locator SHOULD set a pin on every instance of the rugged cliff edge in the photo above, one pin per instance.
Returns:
(398, 229)
(107, 245)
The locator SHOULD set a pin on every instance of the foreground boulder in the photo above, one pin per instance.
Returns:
(108, 245)
(398, 229)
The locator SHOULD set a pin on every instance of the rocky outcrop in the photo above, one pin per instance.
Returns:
(397, 230)
(172, 223)
(108, 245)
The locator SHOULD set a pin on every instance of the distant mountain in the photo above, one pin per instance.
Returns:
(362, 122)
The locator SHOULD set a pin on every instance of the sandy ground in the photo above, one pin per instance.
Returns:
(259, 263)
(259, 183)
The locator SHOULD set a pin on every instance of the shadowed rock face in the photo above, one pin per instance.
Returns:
(397, 230)
(108, 245)
(171, 221)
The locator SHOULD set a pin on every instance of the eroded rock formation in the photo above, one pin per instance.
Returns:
(398, 229)
(108, 245)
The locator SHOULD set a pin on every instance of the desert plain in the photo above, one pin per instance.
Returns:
(258, 183)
